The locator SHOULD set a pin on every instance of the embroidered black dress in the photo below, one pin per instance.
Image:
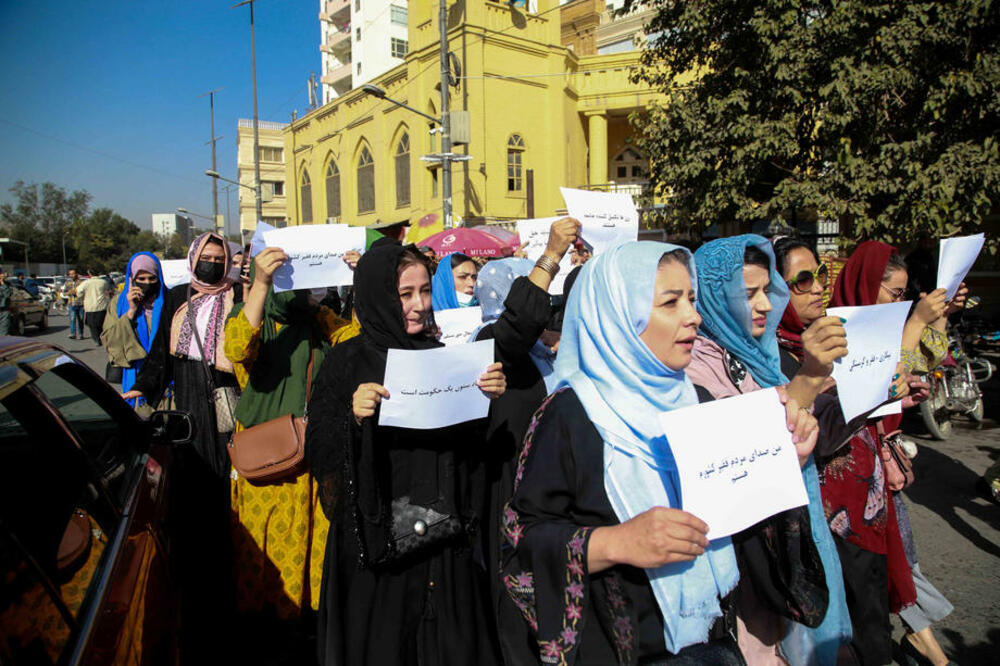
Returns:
(610, 617)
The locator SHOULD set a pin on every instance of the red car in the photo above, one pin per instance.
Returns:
(84, 485)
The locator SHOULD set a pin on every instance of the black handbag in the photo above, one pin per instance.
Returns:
(113, 374)
(416, 529)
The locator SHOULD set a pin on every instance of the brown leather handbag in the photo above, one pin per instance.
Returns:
(274, 449)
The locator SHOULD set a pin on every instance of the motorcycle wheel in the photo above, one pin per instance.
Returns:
(935, 415)
(976, 414)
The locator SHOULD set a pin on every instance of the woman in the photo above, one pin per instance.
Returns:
(618, 577)
(279, 533)
(514, 297)
(455, 282)
(860, 509)
(131, 325)
(188, 352)
(742, 299)
(800, 267)
(377, 607)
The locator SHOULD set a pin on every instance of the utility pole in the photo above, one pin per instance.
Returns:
(215, 186)
(445, 117)
(256, 135)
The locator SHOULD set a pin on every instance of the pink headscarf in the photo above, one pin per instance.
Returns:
(143, 262)
(194, 253)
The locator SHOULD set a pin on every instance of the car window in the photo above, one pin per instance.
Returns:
(20, 295)
(55, 525)
(109, 443)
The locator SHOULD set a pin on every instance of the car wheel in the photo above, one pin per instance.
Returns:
(18, 327)
(44, 322)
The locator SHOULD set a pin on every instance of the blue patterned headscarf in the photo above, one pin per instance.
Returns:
(443, 287)
(495, 281)
(145, 333)
(623, 388)
(725, 311)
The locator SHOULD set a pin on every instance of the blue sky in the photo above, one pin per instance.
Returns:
(123, 78)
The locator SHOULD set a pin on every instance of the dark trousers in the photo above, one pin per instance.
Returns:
(95, 322)
(866, 582)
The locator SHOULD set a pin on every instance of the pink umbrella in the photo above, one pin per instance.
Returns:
(470, 241)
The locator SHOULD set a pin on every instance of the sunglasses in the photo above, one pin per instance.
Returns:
(897, 294)
(804, 280)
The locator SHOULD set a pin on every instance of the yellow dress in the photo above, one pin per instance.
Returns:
(279, 529)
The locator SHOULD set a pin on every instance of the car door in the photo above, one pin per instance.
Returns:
(116, 605)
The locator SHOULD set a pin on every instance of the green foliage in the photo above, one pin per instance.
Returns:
(40, 215)
(104, 241)
(881, 113)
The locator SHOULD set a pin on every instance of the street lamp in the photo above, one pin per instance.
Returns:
(215, 174)
(17, 242)
(256, 135)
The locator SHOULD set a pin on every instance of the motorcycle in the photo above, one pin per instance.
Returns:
(954, 385)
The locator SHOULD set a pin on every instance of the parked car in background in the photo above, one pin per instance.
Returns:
(84, 493)
(25, 310)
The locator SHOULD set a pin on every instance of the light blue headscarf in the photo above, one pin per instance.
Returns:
(145, 333)
(623, 387)
(494, 283)
(443, 295)
(725, 311)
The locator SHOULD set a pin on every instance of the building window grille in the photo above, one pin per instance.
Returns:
(332, 190)
(278, 187)
(403, 171)
(357, 5)
(269, 154)
(515, 165)
(307, 204)
(399, 47)
(366, 182)
(398, 14)
(357, 34)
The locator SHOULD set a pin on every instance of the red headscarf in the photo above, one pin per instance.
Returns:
(861, 277)
(790, 330)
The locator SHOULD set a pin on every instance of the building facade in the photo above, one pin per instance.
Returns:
(166, 225)
(272, 174)
(359, 41)
(543, 115)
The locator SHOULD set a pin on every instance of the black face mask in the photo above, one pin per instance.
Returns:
(209, 272)
(149, 289)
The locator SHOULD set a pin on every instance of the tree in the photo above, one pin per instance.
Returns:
(884, 114)
(40, 215)
(105, 240)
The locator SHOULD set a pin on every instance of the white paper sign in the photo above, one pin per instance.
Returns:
(315, 255)
(175, 272)
(888, 409)
(874, 338)
(458, 324)
(434, 388)
(736, 461)
(534, 236)
(257, 241)
(608, 218)
(955, 259)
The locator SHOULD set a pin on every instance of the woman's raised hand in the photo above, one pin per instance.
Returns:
(351, 258)
(656, 537)
(129, 395)
(823, 343)
(493, 382)
(366, 398)
(562, 234)
(957, 303)
(802, 424)
(900, 386)
(931, 307)
(269, 260)
(920, 390)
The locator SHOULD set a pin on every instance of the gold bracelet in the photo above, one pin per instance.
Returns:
(548, 264)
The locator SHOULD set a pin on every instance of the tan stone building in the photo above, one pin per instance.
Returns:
(272, 174)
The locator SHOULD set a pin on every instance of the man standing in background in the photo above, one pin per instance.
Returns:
(96, 294)
(74, 304)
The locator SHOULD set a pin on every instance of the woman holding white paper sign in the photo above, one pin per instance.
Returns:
(799, 616)
(589, 520)
(401, 583)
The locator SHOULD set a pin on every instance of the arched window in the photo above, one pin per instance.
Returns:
(403, 170)
(366, 181)
(332, 190)
(515, 166)
(305, 188)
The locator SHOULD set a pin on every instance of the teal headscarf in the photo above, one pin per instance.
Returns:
(725, 311)
(623, 387)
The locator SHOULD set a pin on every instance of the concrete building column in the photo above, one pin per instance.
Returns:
(598, 147)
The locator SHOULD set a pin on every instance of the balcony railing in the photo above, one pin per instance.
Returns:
(635, 189)
(336, 40)
(337, 75)
(336, 11)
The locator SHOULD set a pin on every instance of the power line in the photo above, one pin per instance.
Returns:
(109, 156)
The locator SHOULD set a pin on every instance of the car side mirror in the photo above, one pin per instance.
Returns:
(172, 427)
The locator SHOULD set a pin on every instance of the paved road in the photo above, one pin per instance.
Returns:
(957, 532)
